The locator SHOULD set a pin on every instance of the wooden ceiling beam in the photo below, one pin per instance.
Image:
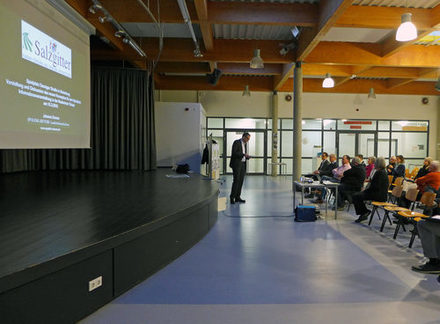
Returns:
(205, 25)
(363, 86)
(107, 30)
(393, 83)
(226, 51)
(363, 54)
(234, 83)
(288, 14)
(244, 69)
(329, 11)
(322, 69)
(382, 17)
(182, 67)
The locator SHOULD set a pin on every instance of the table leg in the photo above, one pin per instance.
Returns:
(326, 200)
(302, 195)
(336, 203)
(294, 197)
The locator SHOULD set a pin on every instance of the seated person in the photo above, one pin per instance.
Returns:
(351, 182)
(399, 169)
(338, 173)
(429, 182)
(323, 169)
(361, 158)
(391, 165)
(377, 190)
(424, 170)
(370, 166)
(429, 233)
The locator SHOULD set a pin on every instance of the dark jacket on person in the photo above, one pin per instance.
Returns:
(424, 170)
(378, 189)
(398, 171)
(327, 171)
(354, 178)
(237, 154)
(390, 171)
(325, 164)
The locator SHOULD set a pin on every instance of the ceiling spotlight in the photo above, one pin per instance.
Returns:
(126, 40)
(120, 33)
(371, 94)
(328, 81)
(102, 19)
(407, 30)
(246, 91)
(198, 53)
(295, 31)
(93, 8)
(257, 61)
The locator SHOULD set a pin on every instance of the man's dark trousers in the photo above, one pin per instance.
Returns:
(238, 173)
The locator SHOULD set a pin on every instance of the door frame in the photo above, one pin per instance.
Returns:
(227, 150)
(356, 147)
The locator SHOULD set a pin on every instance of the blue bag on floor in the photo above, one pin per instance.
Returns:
(305, 213)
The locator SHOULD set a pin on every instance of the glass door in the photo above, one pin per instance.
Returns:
(256, 149)
(354, 143)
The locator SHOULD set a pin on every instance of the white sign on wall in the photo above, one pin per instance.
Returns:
(43, 50)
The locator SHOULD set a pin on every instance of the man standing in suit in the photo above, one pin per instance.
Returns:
(238, 164)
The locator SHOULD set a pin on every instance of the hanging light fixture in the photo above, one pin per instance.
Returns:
(371, 94)
(246, 91)
(328, 81)
(257, 61)
(407, 30)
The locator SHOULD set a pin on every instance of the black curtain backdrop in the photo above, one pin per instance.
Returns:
(122, 129)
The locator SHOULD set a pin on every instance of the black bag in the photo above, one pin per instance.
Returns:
(305, 213)
(182, 168)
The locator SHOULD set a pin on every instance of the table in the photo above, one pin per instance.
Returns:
(316, 185)
(275, 164)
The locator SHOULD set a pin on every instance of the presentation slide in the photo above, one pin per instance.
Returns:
(44, 78)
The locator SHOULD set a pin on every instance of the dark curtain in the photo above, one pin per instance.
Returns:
(122, 129)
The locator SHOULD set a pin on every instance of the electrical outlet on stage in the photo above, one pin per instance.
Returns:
(95, 283)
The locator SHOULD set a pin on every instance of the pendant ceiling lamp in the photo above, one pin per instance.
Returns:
(328, 81)
(257, 61)
(407, 30)
(246, 91)
(371, 94)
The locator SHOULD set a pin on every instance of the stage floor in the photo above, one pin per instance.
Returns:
(56, 218)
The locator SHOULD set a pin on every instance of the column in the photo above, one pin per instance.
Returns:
(274, 133)
(297, 121)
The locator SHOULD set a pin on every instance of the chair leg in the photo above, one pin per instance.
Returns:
(413, 235)
(397, 229)
(385, 217)
(372, 215)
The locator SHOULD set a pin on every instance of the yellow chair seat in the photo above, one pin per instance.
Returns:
(410, 214)
(396, 208)
(417, 219)
(379, 203)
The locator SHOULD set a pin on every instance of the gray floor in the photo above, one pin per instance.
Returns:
(258, 266)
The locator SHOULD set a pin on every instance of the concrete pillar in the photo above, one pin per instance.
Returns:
(274, 133)
(297, 121)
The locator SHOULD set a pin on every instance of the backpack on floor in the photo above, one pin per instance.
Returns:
(305, 213)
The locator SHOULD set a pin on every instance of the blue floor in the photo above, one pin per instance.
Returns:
(257, 255)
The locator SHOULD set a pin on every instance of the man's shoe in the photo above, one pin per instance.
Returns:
(427, 268)
(362, 217)
(240, 200)
(232, 201)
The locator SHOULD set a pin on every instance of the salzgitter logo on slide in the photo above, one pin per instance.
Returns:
(45, 51)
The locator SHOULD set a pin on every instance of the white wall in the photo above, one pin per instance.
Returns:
(317, 105)
(179, 131)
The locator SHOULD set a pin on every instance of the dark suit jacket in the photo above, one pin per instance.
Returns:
(398, 171)
(236, 154)
(378, 189)
(327, 170)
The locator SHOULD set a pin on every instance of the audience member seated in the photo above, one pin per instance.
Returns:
(351, 182)
(399, 169)
(338, 173)
(370, 166)
(377, 191)
(429, 182)
(429, 233)
(325, 168)
(391, 165)
(424, 170)
(361, 158)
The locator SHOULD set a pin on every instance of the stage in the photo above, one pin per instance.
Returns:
(61, 229)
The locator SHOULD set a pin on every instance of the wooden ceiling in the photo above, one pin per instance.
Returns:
(390, 67)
